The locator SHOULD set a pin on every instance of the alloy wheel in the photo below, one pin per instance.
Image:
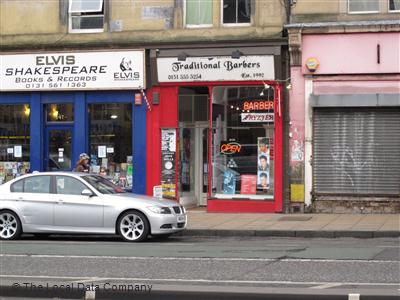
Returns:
(133, 227)
(9, 225)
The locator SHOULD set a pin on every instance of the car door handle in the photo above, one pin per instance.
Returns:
(20, 199)
(60, 201)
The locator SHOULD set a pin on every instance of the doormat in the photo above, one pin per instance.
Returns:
(295, 218)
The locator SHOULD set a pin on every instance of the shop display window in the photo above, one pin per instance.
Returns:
(14, 141)
(110, 127)
(242, 142)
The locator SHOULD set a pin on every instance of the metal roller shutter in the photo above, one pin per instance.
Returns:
(356, 151)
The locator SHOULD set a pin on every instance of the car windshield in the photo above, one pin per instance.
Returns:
(102, 184)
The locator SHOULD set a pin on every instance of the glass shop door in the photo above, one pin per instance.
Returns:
(58, 148)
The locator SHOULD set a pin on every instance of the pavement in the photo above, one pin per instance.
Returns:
(201, 223)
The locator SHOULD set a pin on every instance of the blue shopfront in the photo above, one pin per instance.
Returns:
(45, 127)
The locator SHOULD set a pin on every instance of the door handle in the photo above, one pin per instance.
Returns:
(20, 199)
(60, 201)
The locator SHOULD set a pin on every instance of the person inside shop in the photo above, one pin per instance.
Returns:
(83, 163)
(103, 172)
(262, 163)
(263, 181)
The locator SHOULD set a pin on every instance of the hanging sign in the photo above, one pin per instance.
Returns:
(168, 163)
(216, 68)
(138, 99)
(72, 71)
(230, 147)
(257, 117)
(258, 105)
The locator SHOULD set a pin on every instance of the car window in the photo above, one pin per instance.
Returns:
(18, 187)
(102, 184)
(69, 186)
(37, 184)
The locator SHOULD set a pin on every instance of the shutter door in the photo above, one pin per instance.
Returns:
(356, 151)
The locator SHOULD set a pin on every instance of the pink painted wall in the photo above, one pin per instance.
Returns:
(352, 53)
(348, 86)
(296, 115)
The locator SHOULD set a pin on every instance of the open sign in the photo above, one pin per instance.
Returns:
(230, 148)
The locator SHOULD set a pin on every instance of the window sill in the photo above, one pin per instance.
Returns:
(236, 24)
(86, 30)
(362, 12)
(198, 26)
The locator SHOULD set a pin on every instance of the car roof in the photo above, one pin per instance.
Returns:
(36, 173)
(59, 173)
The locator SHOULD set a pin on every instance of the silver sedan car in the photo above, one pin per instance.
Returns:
(62, 202)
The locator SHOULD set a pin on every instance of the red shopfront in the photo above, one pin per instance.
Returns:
(217, 143)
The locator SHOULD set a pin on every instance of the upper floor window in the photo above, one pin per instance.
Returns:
(86, 15)
(394, 5)
(363, 6)
(236, 11)
(198, 13)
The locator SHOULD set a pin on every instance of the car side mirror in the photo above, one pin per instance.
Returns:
(87, 192)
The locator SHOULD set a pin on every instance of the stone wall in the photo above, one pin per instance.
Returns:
(382, 206)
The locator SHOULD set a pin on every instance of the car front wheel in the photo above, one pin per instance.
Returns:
(10, 226)
(133, 226)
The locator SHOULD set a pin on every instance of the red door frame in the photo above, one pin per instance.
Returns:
(165, 115)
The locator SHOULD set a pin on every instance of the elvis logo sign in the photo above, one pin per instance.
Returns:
(73, 70)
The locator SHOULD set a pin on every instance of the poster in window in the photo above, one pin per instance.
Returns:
(168, 163)
(263, 180)
(101, 151)
(263, 163)
(18, 151)
(248, 184)
(229, 182)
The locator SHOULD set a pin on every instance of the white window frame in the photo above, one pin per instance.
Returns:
(362, 12)
(193, 25)
(392, 11)
(71, 14)
(231, 24)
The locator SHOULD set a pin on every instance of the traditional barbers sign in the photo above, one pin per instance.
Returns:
(72, 71)
(219, 68)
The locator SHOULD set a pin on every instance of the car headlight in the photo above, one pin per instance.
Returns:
(159, 209)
